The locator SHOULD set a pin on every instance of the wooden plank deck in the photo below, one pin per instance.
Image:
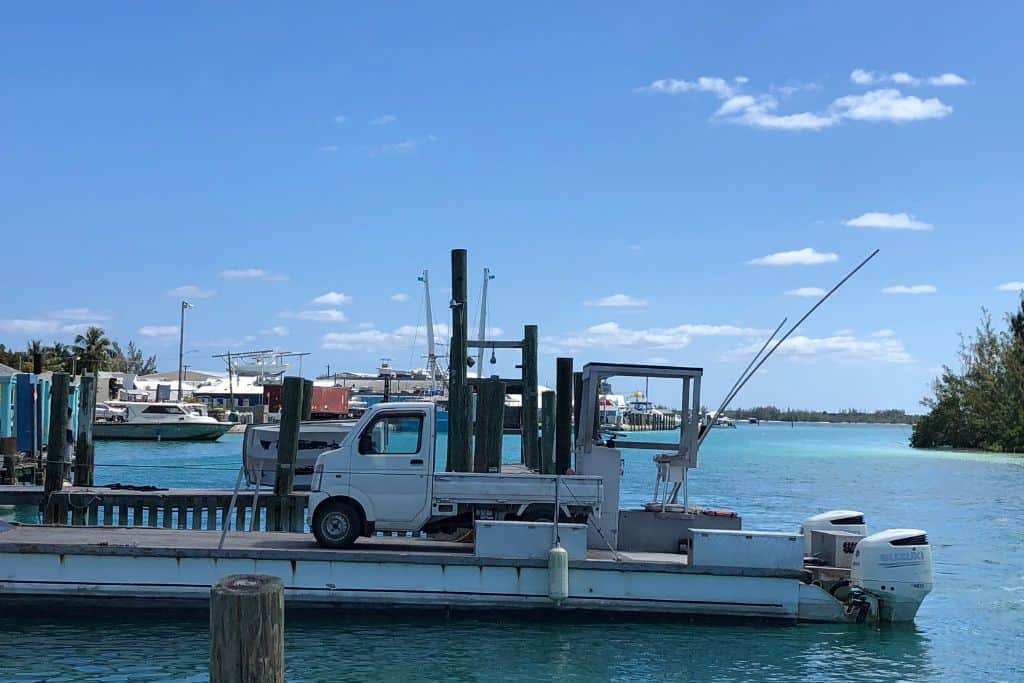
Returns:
(147, 542)
(14, 494)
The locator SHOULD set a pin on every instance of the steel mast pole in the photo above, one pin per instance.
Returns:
(482, 333)
(181, 345)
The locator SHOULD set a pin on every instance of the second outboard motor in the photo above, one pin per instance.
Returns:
(833, 520)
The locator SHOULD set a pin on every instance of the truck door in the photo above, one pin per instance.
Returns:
(390, 467)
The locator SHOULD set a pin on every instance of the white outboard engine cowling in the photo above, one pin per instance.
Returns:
(833, 520)
(895, 568)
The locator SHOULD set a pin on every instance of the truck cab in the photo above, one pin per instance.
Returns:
(382, 478)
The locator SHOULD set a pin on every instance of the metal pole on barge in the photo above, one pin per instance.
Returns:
(459, 457)
(247, 629)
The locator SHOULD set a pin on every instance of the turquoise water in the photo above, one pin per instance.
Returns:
(970, 627)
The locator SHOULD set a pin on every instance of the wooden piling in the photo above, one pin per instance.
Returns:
(287, 449)
(57, 441)
(490, 418)
(531, 458)
(307, 399)
(85, 452)
(547, 433)
(563, 414)
(577, 401)
(459, 455)
(247, 629)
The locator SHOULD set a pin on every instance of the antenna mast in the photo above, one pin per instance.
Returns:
(431, 351)
(482, 334)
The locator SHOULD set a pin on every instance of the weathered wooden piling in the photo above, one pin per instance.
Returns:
(85, 452)
(247, 629)
(57, 440)
(577, 401)
(547, 433)
(459, 455)
(490, 418)
(307, 399)
(531, 457)
(563, 414)
(287, 451)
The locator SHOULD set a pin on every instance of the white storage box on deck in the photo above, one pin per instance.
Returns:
(528, 540)
(752, 549)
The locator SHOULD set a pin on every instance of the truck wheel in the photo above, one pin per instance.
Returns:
(336, 524)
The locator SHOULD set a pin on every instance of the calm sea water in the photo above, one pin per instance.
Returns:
(970, 628)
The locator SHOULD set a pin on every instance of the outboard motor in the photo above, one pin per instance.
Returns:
(833, 520)
(893, 572)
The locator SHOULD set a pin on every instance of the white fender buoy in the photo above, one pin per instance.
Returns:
(558, 574)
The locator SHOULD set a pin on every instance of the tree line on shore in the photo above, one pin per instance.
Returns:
(981, 403)
(769, 413)
(91, 350)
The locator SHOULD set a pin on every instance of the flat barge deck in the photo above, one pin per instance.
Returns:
(154, 567)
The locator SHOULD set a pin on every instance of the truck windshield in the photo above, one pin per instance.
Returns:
(392, 434)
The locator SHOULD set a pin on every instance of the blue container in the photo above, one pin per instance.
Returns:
(7, 384)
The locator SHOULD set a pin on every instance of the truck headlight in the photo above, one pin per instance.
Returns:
(318, 476)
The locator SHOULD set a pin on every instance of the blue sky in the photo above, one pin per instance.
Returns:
(695, 162)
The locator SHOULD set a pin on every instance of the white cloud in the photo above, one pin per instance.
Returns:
(340, 119)
(761, 110)
(327, 149)
(1014, 286)
(611, 335)
(399, 296)
(910, 289)
(332, 299)
(840, 347)
(158, 330)
(883, 333)
(407, 145)
(863, 77)
(372, 339)
(383, 120)
(617, 301)
(324, 315)
(277, 330)
(79, 314)
(888, 221)
(712, 84)
(806, 291)
(889, 105)
(948, 79)
(191, 291)
(251, 274)
(799, 257)
(29, 326)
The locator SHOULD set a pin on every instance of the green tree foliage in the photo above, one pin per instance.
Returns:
(92, 350)
(981, 405)
(769, 413)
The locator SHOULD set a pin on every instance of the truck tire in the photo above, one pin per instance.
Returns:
(336, 524)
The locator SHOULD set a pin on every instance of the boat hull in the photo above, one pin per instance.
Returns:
(185, 431)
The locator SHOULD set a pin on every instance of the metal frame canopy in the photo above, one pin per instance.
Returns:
(594, 373)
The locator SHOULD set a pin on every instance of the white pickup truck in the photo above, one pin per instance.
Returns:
(382, 478)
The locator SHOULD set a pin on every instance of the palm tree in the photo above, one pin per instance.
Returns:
(94, 348)
(59, 356)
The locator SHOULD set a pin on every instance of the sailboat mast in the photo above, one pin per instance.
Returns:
(431, 352)
(482, 334)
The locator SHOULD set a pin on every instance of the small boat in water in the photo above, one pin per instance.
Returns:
(159, 422)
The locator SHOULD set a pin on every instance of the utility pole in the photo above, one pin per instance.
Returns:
(181, 345)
